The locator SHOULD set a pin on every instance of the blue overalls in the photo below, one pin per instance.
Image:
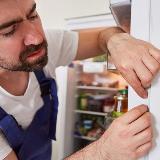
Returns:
(34, 143)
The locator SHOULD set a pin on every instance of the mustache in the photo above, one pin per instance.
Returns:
(32, 48)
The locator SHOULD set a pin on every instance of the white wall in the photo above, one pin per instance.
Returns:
(53, 12)
(79, 8)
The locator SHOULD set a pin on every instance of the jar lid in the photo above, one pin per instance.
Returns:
(123, 91)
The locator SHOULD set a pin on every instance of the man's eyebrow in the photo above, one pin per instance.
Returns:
(31, 10)
(10, 23)
(18, 20)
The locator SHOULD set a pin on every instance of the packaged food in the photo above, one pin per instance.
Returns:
(108, 105)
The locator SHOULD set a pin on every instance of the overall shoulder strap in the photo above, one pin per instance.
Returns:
(40, 75)
(44, 82)
(11, 129)
(3, 113)
(49, 89)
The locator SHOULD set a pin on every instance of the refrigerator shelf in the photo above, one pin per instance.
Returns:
(91, 113)
(97, 88)
(85, 138)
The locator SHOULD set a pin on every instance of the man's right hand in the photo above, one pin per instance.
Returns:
(129, 137)
(138, 61)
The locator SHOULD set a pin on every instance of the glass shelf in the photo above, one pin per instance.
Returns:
(91, 112)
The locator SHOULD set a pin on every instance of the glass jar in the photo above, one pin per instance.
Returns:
(83, 101)
(121, 103)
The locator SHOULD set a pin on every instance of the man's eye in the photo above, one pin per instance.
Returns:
(32, 18)
(10, 33)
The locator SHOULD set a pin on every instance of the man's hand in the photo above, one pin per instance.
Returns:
(137, 61)
(129, 137)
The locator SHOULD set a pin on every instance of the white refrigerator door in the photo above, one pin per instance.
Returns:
(145, 24)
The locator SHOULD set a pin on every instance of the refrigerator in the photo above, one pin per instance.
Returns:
(67, 86)
(145, 25)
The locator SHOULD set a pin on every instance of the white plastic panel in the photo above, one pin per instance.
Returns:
(140, 28)
(154, 94)
(146, 26)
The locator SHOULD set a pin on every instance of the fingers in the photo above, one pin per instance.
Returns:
(155, 53)
(137, 61)
(141, 123)
(143, 137)
(151, 63)
(149, 66)
(131, 77)
(134, 114)
(130, 135)
(143, 74)
(144, 149)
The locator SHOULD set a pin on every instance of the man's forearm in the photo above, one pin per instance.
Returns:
(105, 35)
(90, 152)
(93, 42)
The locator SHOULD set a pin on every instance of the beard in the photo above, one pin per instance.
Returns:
(23, 64)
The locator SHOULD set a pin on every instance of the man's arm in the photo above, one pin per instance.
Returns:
(92, 42)
(128, 137)
(88, 153)
(137, 60)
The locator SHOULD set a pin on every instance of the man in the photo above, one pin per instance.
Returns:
(28, 100)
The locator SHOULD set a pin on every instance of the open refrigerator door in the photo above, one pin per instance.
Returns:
(126, 14)
(121, 11)
(145, 26)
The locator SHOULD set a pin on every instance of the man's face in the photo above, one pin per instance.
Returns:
(23, 45)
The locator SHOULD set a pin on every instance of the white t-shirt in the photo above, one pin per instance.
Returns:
(62, 49)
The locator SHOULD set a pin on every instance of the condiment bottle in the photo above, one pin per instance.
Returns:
(121, 103)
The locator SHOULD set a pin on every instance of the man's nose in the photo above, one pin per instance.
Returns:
(32, 35)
